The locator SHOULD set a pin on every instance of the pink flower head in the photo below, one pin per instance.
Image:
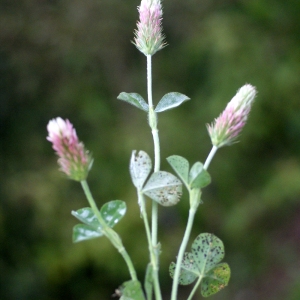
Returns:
(226, 128)
(73, 160)
(148, 36)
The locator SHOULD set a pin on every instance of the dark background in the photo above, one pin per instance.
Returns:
(71, 59)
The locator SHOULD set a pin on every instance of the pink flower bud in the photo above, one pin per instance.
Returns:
(73, 160)
(148, 36)
(226, 128)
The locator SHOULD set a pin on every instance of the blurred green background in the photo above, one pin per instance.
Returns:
(72, 59)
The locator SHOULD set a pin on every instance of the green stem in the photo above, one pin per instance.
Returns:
(182, 248)
(153, 255)
(153, 124)
(156, 149)
(109, 232)
(149, 80)
(152, 117)
(195, 288)
(154, 203)
(210, 157)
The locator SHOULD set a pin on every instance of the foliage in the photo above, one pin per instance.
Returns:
(72, 58)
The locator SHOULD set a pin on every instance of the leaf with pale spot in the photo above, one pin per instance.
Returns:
(170, 100)
(112, 212)
(139, 168)
(135, 100)
(87, 216)
(164, 188)
(82, 232)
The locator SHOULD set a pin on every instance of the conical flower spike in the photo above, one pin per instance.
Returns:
(227, 127)
(73, 160)
(148, 36)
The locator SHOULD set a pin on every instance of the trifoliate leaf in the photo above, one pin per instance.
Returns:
(112, 212)
(203, 262)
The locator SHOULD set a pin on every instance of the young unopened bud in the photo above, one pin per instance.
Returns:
(148, 36)
(73, 160)
(226, 128)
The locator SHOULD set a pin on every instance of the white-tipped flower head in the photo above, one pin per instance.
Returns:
(227, 127)
(73, 160)
(148, 35)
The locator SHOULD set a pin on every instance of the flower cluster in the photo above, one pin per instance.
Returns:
(73, 160)
(226, 128)
(148, 36)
